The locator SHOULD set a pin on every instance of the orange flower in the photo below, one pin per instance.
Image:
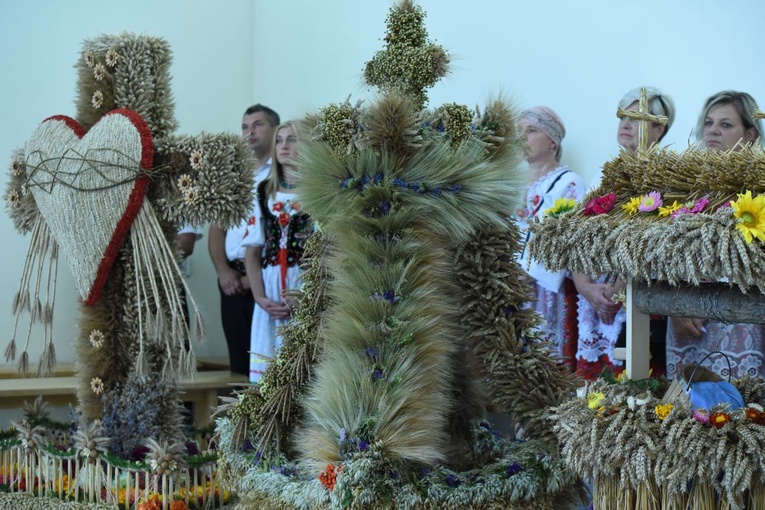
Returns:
(329, 477)
(179, 504)
(153, 503)
(719, 419)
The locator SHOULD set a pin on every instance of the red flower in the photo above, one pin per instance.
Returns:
(536, 200)
(755, 415)
(284, 218)
(718, 420)
(278, 206)
(252, 220)
(600, 205)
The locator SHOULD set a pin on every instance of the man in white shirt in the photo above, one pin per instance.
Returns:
(236, 302)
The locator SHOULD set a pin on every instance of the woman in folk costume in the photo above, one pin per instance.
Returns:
(549, 182)
(276, 233)
(726, 123)
(601, 321)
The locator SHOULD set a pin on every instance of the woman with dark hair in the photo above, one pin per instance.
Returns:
(274, 241)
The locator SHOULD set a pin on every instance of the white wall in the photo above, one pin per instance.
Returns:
(298, 55)
(577, 57)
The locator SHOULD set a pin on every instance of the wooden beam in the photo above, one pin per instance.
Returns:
(638, 338)
(719, 302)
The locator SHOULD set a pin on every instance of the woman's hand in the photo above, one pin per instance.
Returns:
(687, 328)
(273, 309)
(599, 296)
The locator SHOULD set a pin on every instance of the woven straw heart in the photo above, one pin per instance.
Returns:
(89, 187)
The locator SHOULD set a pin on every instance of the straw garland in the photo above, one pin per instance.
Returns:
(687, 248)
(659, 455)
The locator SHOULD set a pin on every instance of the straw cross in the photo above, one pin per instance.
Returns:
(758, 114)
(643, 116)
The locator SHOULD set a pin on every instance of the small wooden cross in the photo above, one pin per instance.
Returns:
(643, 116)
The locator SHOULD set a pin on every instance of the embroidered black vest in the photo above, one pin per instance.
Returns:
(298, 230)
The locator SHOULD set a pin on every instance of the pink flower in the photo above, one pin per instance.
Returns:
(650, 202)
(699, 205)
(600, 205)
(701, 416)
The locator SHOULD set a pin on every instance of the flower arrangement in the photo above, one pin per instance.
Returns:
(42, 457)
(623, 437)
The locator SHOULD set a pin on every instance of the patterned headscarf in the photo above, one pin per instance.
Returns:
(549, 122)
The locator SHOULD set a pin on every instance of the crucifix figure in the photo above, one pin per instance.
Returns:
(643, 116)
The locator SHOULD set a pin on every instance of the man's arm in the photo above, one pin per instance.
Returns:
(229, 279)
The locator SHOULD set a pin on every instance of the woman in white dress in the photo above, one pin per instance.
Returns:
(276, 233)
(549, 181)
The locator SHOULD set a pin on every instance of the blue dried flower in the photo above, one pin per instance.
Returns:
(378, 178)
(514, 469)
(452, 480)
(377, 373)
(371, 351)
(363, 445)
(423, 472)
(342, 434)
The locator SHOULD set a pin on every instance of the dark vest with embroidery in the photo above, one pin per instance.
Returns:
(298, 230)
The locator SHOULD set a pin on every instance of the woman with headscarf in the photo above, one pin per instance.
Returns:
(726, 123)
(601, 321)
(549, 182)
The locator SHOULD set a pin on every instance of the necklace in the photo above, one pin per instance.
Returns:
(285, 184)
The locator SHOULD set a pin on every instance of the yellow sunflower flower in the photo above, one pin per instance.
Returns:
(751, 216)
(669, 209)
(632, 206)
(561, 205)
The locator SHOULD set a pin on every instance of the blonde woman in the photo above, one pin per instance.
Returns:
(274, 241)
(726, 123)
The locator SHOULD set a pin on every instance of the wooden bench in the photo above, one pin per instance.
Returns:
(61, 390)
